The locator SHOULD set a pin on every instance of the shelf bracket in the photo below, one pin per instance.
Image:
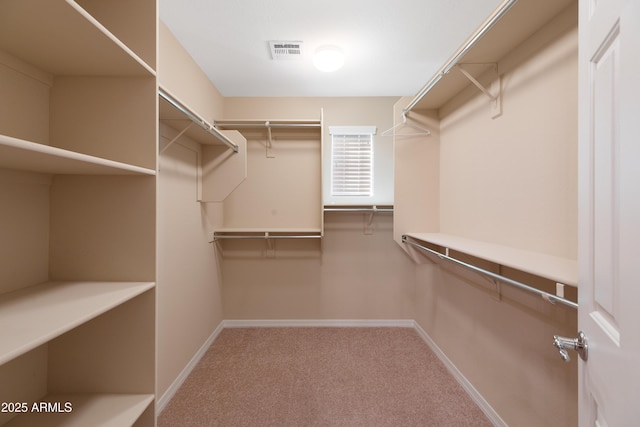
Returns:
(368, 223)
(170, 143)
(368, 220)
(270, 250)
(494, 93)
(270, 154)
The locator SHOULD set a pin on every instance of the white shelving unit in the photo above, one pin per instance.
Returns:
(78, 161)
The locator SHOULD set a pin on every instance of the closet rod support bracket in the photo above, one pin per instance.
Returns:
(177, 137)
(494, 93)
(269, 152)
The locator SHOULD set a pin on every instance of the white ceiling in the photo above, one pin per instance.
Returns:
(392, 47)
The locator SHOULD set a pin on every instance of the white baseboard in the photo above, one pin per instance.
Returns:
(171, 391)
(462, 380)
(345, 323)
(303, 323)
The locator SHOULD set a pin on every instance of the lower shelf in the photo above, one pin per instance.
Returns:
(536, 265)
(35, 315)
(81, 410)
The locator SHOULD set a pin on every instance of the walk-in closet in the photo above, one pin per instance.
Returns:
(154, 228)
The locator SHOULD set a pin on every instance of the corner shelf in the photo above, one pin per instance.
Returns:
(32, 316)
(30, 156)
(106, 410)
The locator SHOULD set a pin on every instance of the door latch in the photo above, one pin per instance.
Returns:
(578, 344)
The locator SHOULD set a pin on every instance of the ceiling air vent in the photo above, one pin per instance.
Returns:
(286, 49)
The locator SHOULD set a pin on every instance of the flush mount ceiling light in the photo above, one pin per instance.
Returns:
(328, 58)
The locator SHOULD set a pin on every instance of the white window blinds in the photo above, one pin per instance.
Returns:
(352, 161)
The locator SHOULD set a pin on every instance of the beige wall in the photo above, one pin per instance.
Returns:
(356, 111)
(189, 302)
(512, 180)
(416, 173)
(509, 180)
(471, 164)
(188, 289)
(180, 75)
(24, 224)
(350, 274)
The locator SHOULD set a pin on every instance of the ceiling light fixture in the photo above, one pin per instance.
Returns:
(328, 58)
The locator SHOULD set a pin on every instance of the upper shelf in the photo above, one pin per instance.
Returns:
(24, 155)
(181, 119)
(519, 23)
(35, 315)
(558, 269)
(31, 30)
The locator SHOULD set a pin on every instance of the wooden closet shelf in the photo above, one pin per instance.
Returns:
(561, 270)
(519, 23)
(267, 233)
(107, 410)
(32, 316)
(30, 156)
(182, 119)
(310, 124)
(280, 129)
(193, 131)
(31, 30)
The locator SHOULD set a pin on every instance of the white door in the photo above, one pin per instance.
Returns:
(609, 226)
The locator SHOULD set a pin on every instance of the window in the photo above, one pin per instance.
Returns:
(352, 160)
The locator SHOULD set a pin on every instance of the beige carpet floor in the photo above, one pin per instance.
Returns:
(320, 377)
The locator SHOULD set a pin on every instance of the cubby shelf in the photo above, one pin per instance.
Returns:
(106, 410)
(69, 41)
(37, 314)
(30, 156)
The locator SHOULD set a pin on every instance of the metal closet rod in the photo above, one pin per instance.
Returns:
(197, 120)
(359, 209)
(266, 124)
(460, 53)
(545, 295)
(267, 236)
